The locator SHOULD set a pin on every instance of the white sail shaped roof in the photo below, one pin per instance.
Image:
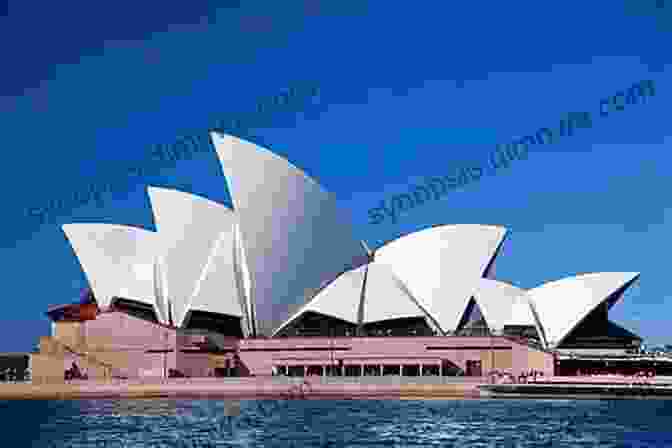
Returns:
(118, 260)
(561, 305)
(243, 282)
(218, 290)
(496, 300)
(340, 299)
(521, 312)
(189, 229)
(442, 266)
(293, 234)
(160, 295)
(385, 297)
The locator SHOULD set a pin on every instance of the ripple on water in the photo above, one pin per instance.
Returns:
(352, 423)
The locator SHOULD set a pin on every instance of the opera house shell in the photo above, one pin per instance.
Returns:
(284, 262)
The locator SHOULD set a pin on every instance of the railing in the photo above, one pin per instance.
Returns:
(381, 380)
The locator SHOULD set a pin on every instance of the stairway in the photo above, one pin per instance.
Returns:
(85, 361)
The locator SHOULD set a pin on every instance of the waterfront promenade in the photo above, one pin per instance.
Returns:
(246, 388)
(337, 388)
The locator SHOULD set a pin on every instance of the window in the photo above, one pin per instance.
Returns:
(334, 371)
(372, 370)
(410, 370)
(295, 371)
(430, 370)
(391, 370)
(353, 371)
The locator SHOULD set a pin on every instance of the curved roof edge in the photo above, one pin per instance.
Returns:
(436, 227)
(217, 291)
(496, 300)
(220, 138)
(456, 257)
(160, 298)
(188, 227)
(561, 305)
(386, 297)
(288, 222)
(345, 280)
(117, 260)
(154, 191)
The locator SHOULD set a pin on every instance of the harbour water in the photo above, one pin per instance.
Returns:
(346, 423)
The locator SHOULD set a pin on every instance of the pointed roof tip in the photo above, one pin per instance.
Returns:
(221, 135)
(152, 188)
(623, 273)
(499, 227)
(496, 227)
(632, 276)
(496, 281)
(227, 145)
(625, 277)
(368, 250)
(221, 139)
(67, 229)
(73, 225)
(155, 193)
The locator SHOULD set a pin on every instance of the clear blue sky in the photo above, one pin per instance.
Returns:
(407, 91)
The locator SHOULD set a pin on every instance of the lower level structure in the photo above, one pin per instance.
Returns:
(116, 344)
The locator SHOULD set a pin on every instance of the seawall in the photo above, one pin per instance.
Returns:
(240, 388)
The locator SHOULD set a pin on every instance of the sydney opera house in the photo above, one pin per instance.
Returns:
(278, 285)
